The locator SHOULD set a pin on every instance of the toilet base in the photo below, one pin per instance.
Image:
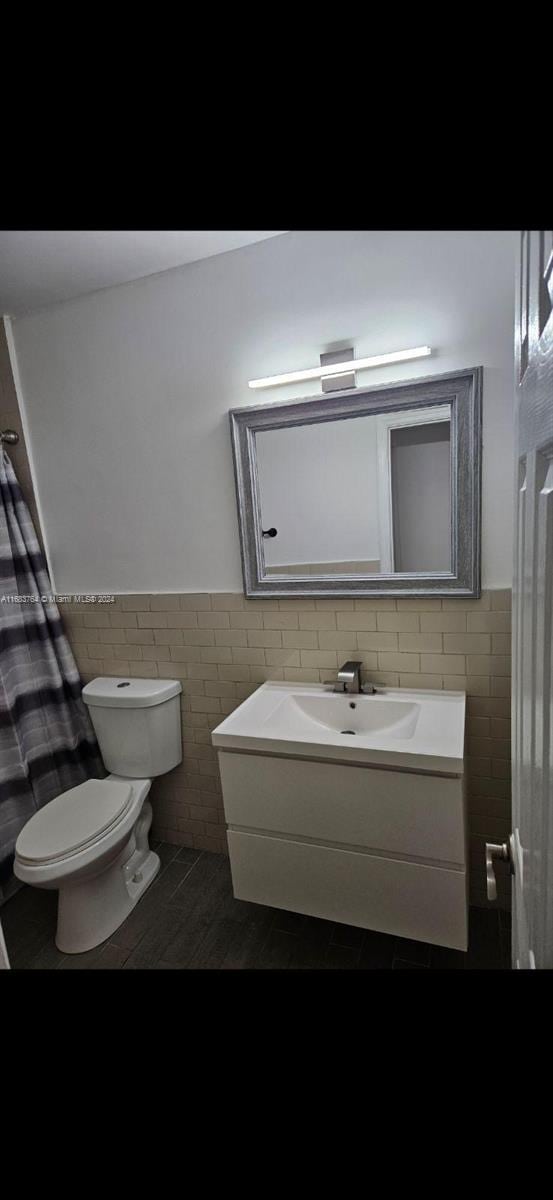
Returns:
(91, 910)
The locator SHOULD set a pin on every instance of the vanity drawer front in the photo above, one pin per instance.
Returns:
(403, 898)
(398, 812)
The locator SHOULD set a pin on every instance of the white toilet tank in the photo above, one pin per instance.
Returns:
(137, 723)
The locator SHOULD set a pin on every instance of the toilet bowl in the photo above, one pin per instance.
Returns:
(91, 842)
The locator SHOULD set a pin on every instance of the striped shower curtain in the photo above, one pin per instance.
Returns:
(47, 743)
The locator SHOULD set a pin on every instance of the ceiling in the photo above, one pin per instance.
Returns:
(44, 266)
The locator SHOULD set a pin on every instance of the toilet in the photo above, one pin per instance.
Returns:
(91, 842)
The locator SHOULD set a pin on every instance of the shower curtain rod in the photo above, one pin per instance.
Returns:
(9, 436)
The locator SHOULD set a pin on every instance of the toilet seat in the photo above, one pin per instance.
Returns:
(73, 821)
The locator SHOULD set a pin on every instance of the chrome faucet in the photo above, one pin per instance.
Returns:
(349, 679)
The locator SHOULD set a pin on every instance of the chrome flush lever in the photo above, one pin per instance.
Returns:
(497, 850)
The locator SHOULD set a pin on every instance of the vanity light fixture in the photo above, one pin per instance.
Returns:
(337, 368)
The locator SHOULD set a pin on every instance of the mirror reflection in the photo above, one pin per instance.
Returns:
(366, 495)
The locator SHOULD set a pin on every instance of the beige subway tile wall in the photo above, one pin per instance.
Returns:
(222, 646)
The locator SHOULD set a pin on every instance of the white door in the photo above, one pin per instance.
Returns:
(386, 425)
(531, 843)
(4, 960)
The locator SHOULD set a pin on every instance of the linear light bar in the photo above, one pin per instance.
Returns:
(353, 364)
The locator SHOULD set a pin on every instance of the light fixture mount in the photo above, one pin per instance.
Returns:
(337, 383)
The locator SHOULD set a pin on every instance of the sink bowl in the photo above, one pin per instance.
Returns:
(406, 729)
(353, 715)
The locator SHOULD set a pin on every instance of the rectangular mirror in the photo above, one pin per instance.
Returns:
(363, 492)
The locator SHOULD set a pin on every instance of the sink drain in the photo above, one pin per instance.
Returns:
(350, 731)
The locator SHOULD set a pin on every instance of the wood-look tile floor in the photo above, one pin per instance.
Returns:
(189, 919)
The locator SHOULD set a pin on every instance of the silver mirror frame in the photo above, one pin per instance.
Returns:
(463, 391)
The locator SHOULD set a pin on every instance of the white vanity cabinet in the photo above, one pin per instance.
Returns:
(358, 842)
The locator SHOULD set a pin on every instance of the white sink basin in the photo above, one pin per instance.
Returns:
(420, 730)
(353, 715)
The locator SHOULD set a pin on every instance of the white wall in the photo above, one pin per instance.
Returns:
(127, 390)
(318, 487)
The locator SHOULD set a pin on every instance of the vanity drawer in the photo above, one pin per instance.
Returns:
(389, 811)
(403, 898)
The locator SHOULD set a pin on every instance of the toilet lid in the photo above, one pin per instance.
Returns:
(73, 819)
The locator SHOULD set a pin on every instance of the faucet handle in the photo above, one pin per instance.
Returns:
(336, 685)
